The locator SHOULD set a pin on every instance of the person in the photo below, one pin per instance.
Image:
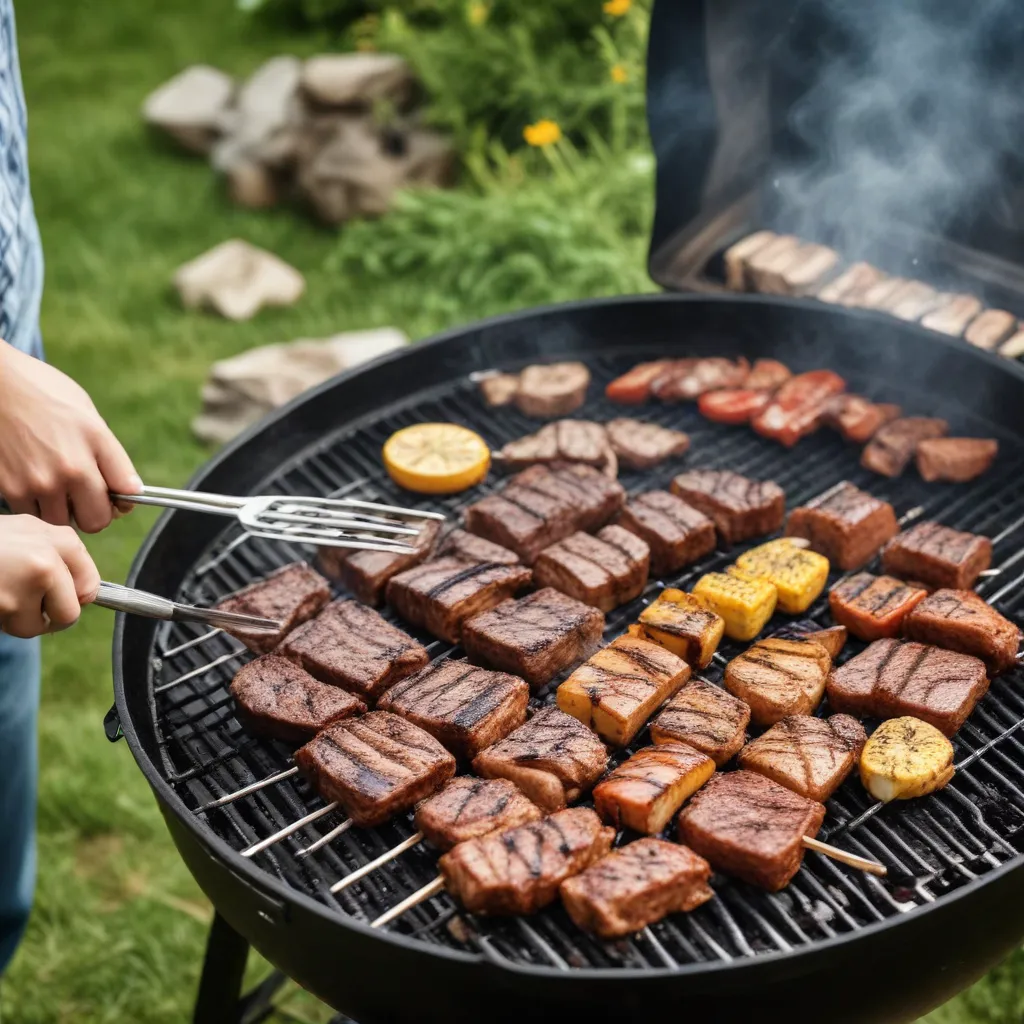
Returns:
(58, 463)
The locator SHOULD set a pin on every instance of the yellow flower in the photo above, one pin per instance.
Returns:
(477, 12)
(543, 133)
(617, 8)
(619, 74)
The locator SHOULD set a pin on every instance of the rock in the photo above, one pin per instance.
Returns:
(190, 106)
(237, 279)
(251, 185)
(357, 79)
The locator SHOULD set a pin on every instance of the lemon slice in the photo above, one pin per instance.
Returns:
(436, 458)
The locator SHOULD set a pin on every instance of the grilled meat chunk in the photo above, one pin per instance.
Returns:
(1013, 347)
(634, 386)
(375, 766)
(291, 595)
(535, 637)
(857, 418)
(684, 624)
(938, 556)
(777, 678)
(960, 620)
(845, 524)
(688, 379)
(468, 547)
(769, 260)
(912, 301)
(562, 441)
(554, 759)
(705, 717)
(640, 445)
(952, 314)
(636, 885)
(518, 871)
(767, 375)
(351, 646)
(738, 255)
(957, 459)
(733, 405)
(644, 792)
(740, 508)
(676, 533)
(552, 389)
(274, 697)
(499, 389)
(811, 756)
(594, 498)
(832, 638)
(441, 595)
(797, 408)
(751, 827)
(991, 328)
(850, 285)
(893, 446)
(803, 274)
(799, 576)
(881, 293)
(469, 808)
(464, 707)
(872, 607)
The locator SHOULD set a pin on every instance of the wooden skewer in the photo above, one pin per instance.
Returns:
(325, 839)
(872, 867)
(384, 858)
(254, 787)
(430, 889)
(283, 833)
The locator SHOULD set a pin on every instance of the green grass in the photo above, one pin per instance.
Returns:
(118, 930)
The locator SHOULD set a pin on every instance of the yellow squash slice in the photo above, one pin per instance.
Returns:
(904, 758)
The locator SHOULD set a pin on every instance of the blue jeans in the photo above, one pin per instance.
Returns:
(19, 707)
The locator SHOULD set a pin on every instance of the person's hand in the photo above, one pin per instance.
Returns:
(58, 458)
(47, 576)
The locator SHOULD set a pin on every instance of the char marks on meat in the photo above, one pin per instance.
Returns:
(676, 533)
(553, 389)
(957, 459)
(468, 547)
(872, 607)
(739, 507)
(563, 441)
(640, 445)
(687, 379)
(832, 638)
(991, 328)
(937, 555)
(705, 717)
(893, 446)
(469, 808)
(857, 418)
(850, 285)
(777, 678)
(952, 314)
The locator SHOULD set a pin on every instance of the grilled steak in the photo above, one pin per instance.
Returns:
(469, 808)
(796, 409)
(912, 301)
(468, 547)
(605, 571)
(688, 379)
(850, 285)
(464, 707)
(683, 624)
(845, 524)
(554, 759)
(750, 827)
(554, 389)
(635, 886)
(640, 445)
(441, 595)
(991, 328)
(937, 556)
(811, 756)
(518, 871)
(804, 273)
(634, 386)
(740, 508)
(594, 498)
(957, 459)
(291, 595)
(832, 638)
(351, 646)
(777, 678)
(676, 533)
(274, 697)
(738, 255)
(705, 717)
(872, 607)
(375, 766)
(952, 314)
(499, 388)
(893, 446)
(770, 260)
(535, 637)
(857, 418)
(562, 441)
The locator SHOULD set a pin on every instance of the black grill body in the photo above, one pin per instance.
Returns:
(836, 945)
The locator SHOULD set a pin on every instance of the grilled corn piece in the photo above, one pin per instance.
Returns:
(799, 575)
(745, 602)
(684, 625)
(904, 758)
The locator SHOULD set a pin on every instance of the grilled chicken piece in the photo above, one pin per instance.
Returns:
(554, 759)
(518, 871)
(636, 885)
(811, 756)
(777, 678)
(676, 533)
(845, 524)
(744, 602)
(957, 459)
(797, 408)
(634, 386)
(798, 575)
(750, 827)
(740, 508)
(562, 441)
(832, 638)
(618, 689)
(535, 637)
(952, 314)
(804, 273)
(685, 625)
(467, 547)
(605, 571)
(640, 445)
(960, 620)
(469, 808)
(904, 758)
(375, 766)
(441, 595)
(1013, 347)
(688, 379)
(912, 301)
(937, 556)
(769, 260)
(857, 418)
(738, 255)
(351, 646)
(872, 607)
(464, 707)
(553, 389)
(644, 792)
(705, 717)
(274, 697)
(894, 445)
(850, 285)
(499, 389)
(991, 328)
(291, 595)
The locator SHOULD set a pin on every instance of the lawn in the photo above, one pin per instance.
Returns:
(119, 926)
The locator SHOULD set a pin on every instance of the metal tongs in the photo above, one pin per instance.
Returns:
(327, 522)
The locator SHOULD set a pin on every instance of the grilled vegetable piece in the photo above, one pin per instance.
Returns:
(676, 533)
(857, 418)
(739, 254)
(734, 405)
(798, 575)
(832, 638)
(636, 885)
(499, 389)
(952, 314)
(644, 792)
(811, 756)
(872, 607)
(740, 508)
(750, 827)
(845, 524)
(685, 625)
(687, 379)
(705, 717)
(552, 389)
(991, 328)
(745, 602)
(957, 459)
(618, 689)
(777, 678)
(904, 758)
(893, 446)
(562, 441)
(960, 620)
(519, 870)
(375, 766)
(634, 386)
(937, 556)
(535, 637)
(797, 407)
(640, 445)
(850, 284)
(467, 547)
(554, 759)
(468, 808)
